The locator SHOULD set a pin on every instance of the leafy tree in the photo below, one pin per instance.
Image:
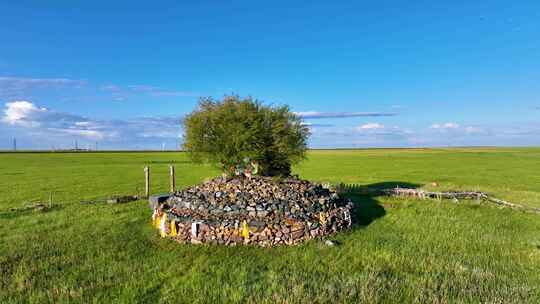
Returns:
(235, 131)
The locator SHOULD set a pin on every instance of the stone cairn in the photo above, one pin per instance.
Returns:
(257, 210)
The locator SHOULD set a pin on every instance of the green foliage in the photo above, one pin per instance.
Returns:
(228, 132)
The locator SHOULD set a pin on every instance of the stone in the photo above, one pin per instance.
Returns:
(256, 210)
(155, 200)
(297, 234)
(216, 211)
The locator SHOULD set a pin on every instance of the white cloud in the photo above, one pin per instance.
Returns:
(22, 113)
(474, 130)
(318, 115)
(455, 130)
(366, 135)
(161, 134)
(25, 87)
(315, 125)
(119, 93)
(158, 92)
(41, 124)
(371, 126)
(88, 134)
(36, 126)
(448, 125)
(110, 87)
(26, 114)
(42, 82)
(18, 86)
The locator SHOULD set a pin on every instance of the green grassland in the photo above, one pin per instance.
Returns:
(400, 250)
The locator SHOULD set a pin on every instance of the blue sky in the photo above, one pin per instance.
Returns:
(363, 74)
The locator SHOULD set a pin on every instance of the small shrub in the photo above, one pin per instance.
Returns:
(236, 131)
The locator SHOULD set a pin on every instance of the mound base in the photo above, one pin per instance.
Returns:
(257, 210)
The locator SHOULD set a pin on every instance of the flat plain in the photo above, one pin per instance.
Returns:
(399, 250)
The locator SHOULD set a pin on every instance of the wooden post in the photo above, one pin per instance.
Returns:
(147, 181)
(172, 178)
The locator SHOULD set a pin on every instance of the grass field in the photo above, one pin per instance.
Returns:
(399, 251)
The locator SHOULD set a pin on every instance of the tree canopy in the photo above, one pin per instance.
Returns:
(235, 131)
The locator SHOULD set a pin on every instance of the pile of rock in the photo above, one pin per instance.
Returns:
(257, 210)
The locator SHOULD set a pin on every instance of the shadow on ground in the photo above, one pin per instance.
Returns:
(366, 207)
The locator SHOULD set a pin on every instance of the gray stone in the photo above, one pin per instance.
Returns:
(155, 200)
(291, 207)
(216, 211)
(262, 213)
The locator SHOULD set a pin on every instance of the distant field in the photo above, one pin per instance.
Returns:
(399, 251)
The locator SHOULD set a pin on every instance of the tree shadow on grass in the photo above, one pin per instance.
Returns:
(366, 207)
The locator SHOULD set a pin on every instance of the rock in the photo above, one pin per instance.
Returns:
(216, 211)
(262, 213)
(155, 200)
(297, 234)
(259, 224)
(256, 211)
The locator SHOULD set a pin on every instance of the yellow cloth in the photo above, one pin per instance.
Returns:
(323, 218)
(155, 217)
(173, 228)
(162, 226)
(245, 230)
